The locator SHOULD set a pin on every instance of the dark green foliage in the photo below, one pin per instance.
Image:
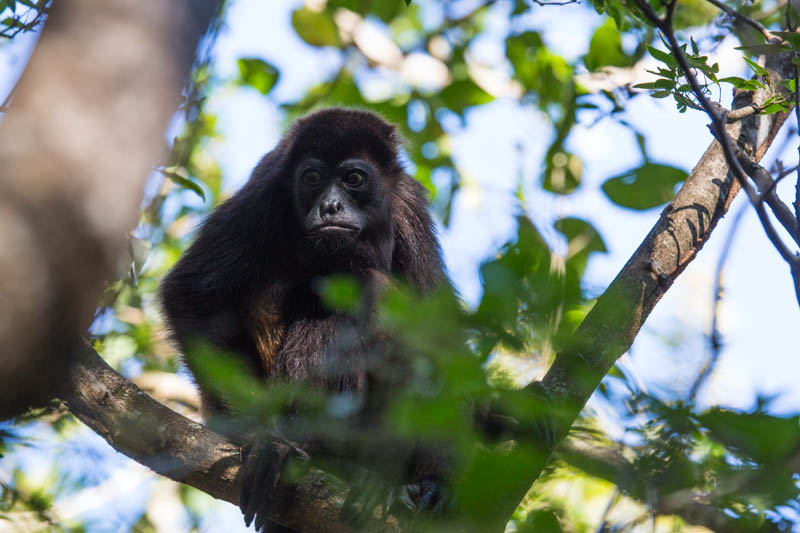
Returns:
(645, 187)
(258, 74)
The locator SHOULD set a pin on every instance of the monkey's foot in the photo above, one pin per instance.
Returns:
(268, 475)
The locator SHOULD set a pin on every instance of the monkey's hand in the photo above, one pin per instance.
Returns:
(267, 477)
(426, 495)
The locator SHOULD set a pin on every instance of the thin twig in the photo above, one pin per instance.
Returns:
(714, 338)
(766, 187)
(718, 127)
(743, 112)
(12, 31)
(564, 3)
(743, 18)
(797, 117)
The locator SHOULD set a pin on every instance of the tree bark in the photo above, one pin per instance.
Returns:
(185, 451)
(684, 226)
(84, 129)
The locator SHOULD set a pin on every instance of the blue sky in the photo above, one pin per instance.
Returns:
(760, 311)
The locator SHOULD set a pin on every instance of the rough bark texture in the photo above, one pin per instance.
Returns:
(83, 131)
(185, 451)
(680, 232)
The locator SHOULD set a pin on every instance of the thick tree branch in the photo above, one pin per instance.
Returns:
(85, 128)
(185, 451)
(681, 231)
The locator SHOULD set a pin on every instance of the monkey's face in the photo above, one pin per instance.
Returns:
(341, 204)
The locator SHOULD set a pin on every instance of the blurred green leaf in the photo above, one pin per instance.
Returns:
(764, 49)
(317, 28)
(257, 73)
(178, 175)
(758, 69)
(490, 474)
(545, 74)
(583, 240)
(744, 85)
(540, 521)
(789, 36)
(563, 172)
(691, 13)
(341, 293)
(462, 94)
(759, 436)
(645, 187)
(664, 57)
(605, 48)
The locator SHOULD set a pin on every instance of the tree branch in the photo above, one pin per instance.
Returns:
(680, 232)
(80, 139)
(185, 451)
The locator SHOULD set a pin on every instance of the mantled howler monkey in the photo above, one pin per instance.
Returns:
(331, 198)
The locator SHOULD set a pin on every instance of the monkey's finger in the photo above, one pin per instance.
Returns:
(430, 491)
(256, 469)
(264, 503)
(443, 501)
(406, 497)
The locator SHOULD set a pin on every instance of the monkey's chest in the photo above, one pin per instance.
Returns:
(325, 351)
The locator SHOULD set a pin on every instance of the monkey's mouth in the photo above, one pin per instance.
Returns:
(335, 228)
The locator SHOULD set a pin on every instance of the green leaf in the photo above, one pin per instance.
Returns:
(789, 36)
(175, 174)
(760, 436)
(582, 233)
(408, 3)
(764, 49)
(583, 239)
(257, 73)
(774, 106)
(462, 94)
(605, 48)
(341, 293)
(693, 13)
(563, 172)
(744, 85)
(758, 69)
(664, 57)
(316, 28)
(645, 187)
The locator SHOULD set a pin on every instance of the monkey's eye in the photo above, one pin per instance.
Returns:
(354, 179)
(312, 177)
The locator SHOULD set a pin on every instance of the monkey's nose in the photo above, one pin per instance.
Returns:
(330, 207)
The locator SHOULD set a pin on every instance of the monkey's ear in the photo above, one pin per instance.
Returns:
(417, 256)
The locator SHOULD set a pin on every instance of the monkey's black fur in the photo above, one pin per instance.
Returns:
(331, 198)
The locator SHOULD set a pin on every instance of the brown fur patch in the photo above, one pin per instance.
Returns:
(267, 326)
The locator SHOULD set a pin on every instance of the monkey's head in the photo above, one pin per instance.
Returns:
(344, 166)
